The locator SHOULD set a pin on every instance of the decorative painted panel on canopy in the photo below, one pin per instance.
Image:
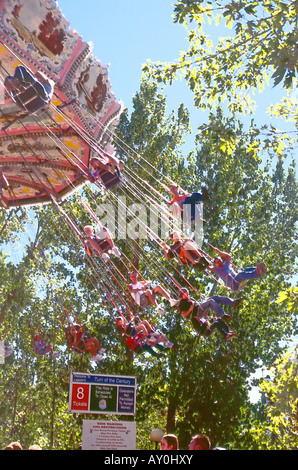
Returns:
(46, 154)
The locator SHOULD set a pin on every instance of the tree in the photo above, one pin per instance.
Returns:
(237, 163)
(264, 44)
(252, 213)
(54, 271)
(279, 428)
(199, 385)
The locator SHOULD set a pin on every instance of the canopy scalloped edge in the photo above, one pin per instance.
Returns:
(45, 42)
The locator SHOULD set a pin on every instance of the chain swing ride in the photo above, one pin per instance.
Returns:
(57, 133)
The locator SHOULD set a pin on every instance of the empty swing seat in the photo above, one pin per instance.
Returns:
(28, 99)
(109, 180)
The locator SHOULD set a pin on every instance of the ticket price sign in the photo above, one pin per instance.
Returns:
(102, 394)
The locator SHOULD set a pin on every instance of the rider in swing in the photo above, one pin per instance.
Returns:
(80, 342)
(186, 250)
(144, 296)
(107, 162)
(222, 267)
(101, 244)
(197, 312)
(179, 200)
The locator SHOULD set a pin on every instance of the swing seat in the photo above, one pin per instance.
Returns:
(109, 180)
(78, 347)
(134, 342)
(27, 99)
(204, 328)
(240, 286)
(103, 245)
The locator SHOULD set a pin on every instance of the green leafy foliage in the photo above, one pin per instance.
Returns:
(278, 428)
(199, 385)
(263, 45)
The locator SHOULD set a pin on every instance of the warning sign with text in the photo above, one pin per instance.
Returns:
(108, 435)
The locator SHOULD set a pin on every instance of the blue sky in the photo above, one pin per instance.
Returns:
(125, 33)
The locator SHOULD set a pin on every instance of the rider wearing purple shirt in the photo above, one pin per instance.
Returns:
(223, 268)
